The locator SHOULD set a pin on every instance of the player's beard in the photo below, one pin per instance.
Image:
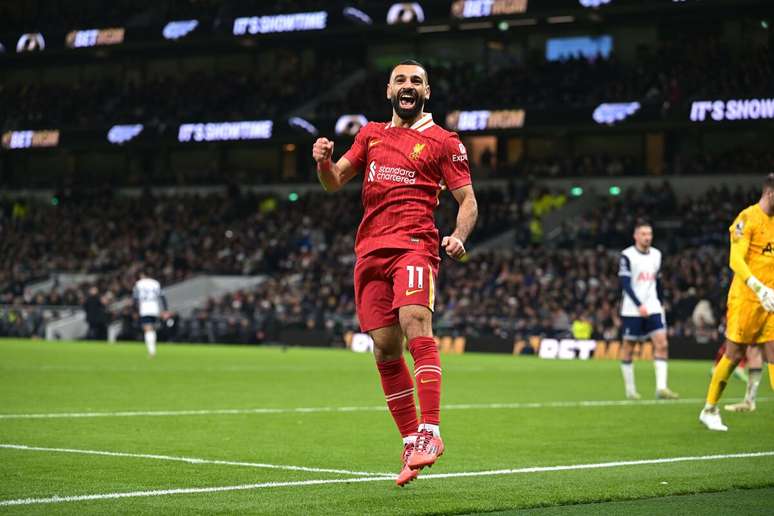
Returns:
(408, 113)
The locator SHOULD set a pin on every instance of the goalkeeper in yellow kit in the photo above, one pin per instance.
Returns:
(750, 317)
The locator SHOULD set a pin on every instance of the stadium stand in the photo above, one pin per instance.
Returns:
(236, 233)
(304, 246)
(306, 249)
(523, 291)
(220, 94)
(665, 76)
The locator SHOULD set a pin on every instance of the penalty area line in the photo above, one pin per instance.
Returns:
(192, 460)
(380, 408)
(264, 485)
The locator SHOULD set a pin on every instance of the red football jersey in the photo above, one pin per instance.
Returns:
(404, 170)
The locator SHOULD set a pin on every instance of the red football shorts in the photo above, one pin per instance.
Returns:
(387, 279)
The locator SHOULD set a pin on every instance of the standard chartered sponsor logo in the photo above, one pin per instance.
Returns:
(372, 172)
(394, 174)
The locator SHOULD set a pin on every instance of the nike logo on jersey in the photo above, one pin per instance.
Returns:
(412, 292)
(371, 143)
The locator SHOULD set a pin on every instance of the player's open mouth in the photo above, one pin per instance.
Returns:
(407, 100)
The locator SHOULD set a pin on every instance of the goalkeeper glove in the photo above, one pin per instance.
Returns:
(764, 293)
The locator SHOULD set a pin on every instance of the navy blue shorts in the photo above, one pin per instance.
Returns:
(148, 319)
(640, 328)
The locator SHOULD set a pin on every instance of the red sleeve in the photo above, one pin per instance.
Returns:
(454, 163)
(357, 153)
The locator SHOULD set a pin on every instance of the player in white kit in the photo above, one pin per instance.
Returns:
(150, 301)
(642, 315)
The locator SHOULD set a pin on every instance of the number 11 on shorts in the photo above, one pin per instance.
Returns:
(419, 275)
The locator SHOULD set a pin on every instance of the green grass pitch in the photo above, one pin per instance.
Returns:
(305, 431)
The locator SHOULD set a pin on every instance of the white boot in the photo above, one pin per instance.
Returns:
(710, 417)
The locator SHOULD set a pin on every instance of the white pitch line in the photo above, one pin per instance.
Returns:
(244, 487)
(599, 465)
(191, 460)
(192, 490)
(380, 408)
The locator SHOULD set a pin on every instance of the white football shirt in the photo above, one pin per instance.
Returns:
(147, 292)
(643, 269)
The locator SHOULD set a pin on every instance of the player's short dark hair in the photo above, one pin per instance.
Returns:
(412, 62)
(768, 183)
(641, 223)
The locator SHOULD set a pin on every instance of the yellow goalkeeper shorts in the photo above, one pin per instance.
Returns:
(747, 322)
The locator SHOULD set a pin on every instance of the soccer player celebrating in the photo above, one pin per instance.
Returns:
(749, 319)
(406, 163)
(641, 312)
(149, 301)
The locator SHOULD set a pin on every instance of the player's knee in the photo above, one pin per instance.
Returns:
(416, 321)
(388, 344)
(386, 354)
(734, 352)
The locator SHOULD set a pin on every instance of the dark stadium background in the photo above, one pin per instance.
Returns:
(660, 109)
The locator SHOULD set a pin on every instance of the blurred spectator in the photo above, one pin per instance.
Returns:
(96, 315)
(582, 329)
(704, 321)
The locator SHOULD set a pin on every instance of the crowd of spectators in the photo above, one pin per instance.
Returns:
(534, 290)
(541, 291)
(580, 166)
(679, 223)
(163, 99)
(305, 250)
(663, 77)
(527, 288)
(173, 238)
(739, 160)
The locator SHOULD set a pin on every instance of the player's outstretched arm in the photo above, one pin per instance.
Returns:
(332, 175)
(739, 266)
(454, 245)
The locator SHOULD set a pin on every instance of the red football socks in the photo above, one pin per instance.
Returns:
(427, 370)
(399, 391)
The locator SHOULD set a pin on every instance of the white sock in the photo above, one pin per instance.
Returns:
(410, 439)
(660, 364)
(753, 381)
(432, 428)
(627, 369)
(150, 342)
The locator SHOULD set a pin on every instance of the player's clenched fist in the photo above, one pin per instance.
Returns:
(322, 150)
(453, 247)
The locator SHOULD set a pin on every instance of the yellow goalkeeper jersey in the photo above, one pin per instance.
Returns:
(752, 239)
